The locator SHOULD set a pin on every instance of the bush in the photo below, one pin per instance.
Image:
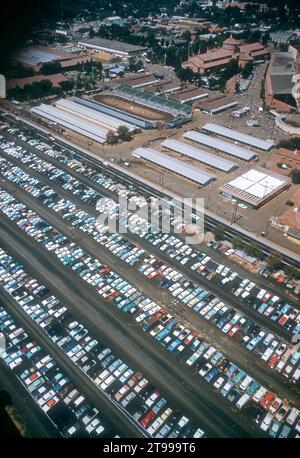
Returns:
(238, 243)
(274, 262)
(124, 134)
(252, 250)
(291, 143)
(111, 138)
(290, 203)
(218, 232)
(295, 176)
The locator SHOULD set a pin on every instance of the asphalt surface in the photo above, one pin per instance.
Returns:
(239, 355)
(99, 400)
(218, 290)
(29, 414)
(106, 192)
(187, 393)
(194, 397)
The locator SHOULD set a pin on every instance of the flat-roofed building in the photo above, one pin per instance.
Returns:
(233, 134)
(217, 104)
(163, 87)
(89, 114)
(200, 155)
(255, 187)
(55, 79)
(279, 82)
(189, 94)
(217, 144)
(70, 121)
(141, 81)
(112, 46)
(174, 165)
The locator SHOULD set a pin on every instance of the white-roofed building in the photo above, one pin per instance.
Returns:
(218, 144)
(256, 142)
(174, 165)
(200, 155)
(255, 187)
(101, 119)
(72, 122)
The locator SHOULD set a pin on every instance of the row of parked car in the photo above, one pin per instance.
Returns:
(229, 321)
(116, 243)
(114, 289)
(269, 410)
(177, 251)
(125, 387)
(279, 355)
(261, 300)
(272, 307)
(52, 391)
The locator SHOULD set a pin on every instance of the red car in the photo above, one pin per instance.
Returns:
(267, 400)
(201, 268)
(273, 361)
(146, 420)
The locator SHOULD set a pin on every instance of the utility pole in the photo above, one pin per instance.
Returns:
(234, 211)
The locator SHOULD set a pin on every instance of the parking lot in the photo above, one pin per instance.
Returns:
(256, 320)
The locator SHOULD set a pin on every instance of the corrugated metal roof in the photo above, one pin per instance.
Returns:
(200, 155)
(71, 122)
(239, 136)
(115, 112)
(104, 120)
(233, 150)
(174, 165)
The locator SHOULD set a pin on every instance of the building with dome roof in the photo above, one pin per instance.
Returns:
(219, 57)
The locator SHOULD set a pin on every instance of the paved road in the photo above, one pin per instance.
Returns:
(188, 393)
(253, 314)
(115, 418)
(239, 355)
(34, 420)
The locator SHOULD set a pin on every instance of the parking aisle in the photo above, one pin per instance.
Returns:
(137, 347)
(239, 356)
(88, 244)
(208, 367)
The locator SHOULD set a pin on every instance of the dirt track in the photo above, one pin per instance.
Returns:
(132, 107)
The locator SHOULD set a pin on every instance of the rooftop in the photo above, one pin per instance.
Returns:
(188, 93)
(256, 186)
(111, 44)
(215, 102)
(21, 82)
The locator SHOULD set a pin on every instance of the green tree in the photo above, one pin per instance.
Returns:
(295, 176)
(274, 262)
(124, 133)
(265, 38)
(92, 33)
(238, 243)
(111, 138)
(49, 68)
(231, 69)
(252, 249)
(292, 271)
(247, 70)
(185, 74)
(291, 143)
(218, 232)
(67, 85)
(5, 399)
